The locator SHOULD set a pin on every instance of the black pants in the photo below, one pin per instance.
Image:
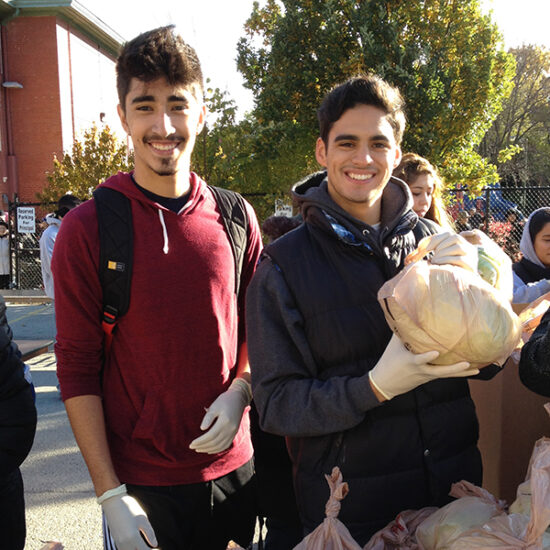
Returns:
(12, 511)
(202, 516)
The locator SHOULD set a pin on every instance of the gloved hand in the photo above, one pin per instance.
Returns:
(127, 520)
(399, 370)
(449, 248)
(227, 412)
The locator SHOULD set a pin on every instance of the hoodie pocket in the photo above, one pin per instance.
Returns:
(156, 428)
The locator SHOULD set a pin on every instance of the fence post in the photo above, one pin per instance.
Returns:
(487, 208)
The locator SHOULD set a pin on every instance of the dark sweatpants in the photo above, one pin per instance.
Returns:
(202, 516)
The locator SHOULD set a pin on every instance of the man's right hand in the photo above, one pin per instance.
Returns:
(128, 523)
(399, 370)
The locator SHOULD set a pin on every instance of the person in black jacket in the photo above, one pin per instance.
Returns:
(326, 371)
(534, 364)
(17, 429)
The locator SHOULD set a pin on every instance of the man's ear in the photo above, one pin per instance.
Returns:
(202, 119)
(398, 156)
(122, 116)
(321, 152)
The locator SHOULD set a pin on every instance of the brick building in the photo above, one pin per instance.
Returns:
(57, 78)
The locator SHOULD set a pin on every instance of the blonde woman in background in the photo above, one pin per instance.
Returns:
(426, 187)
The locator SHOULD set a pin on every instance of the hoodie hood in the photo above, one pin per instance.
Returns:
(526, 244)
(124, 183)
(311, 195)
(51, 219)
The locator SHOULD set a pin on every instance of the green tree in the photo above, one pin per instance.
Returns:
(95, 157)
(517, 142)
(444, 55)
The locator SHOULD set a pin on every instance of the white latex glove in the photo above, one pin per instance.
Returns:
(399, 370)
(449, 248)
(127, 520)
(227, 412)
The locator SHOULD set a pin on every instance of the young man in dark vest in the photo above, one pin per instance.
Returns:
(165, 472)
(326, 371)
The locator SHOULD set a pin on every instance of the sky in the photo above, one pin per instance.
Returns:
(213, 28)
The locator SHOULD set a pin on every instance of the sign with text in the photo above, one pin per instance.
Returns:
(282, 208)
(26, 221)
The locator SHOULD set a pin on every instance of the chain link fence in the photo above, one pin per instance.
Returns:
(501, 213)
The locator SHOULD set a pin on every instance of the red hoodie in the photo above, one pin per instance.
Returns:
(174, 351)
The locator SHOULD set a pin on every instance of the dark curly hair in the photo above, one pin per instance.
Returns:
(160, 53)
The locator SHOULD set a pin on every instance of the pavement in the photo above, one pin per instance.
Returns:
(59, 497)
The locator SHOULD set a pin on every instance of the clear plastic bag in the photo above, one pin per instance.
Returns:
(401, 532)
(474, 506)
(519, 531)
(451, 310)
(332, 534)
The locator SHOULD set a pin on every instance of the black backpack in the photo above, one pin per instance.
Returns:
(116, 246)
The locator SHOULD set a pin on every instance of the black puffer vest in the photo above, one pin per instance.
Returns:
(408, 451)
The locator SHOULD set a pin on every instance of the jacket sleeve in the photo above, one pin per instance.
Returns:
(12, 375)
(292, 400)
(78, 304)
(525, 293)
(534, 364)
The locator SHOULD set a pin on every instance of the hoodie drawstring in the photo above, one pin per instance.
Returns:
(164, 232)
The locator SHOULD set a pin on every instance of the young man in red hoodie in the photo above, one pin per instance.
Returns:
(165, 473)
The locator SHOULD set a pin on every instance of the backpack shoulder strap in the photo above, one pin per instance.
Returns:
(116, 250)
(235, 220)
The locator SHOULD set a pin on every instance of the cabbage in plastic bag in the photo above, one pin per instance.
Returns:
(450, 310)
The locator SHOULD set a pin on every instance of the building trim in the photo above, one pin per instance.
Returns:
(71, 11)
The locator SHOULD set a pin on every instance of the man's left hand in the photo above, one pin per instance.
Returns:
(450, 248)
(223, 418)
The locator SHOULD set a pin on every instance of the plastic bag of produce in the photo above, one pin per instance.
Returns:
(530, 318)
(524, 529)
(332, 534)
(473, 507)
(451, 310)
(401, 532)
(494, 265)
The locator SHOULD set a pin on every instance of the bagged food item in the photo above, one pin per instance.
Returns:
(331, 534)
(530, 318)
(401, 532)
(519, 530)
(494, 265)
(473, 507)
(451, 310)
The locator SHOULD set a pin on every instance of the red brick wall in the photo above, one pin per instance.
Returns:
(31, 53)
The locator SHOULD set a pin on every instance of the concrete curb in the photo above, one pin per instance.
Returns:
(25, 297)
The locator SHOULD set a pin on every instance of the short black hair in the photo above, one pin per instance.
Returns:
(159, 53)
(362, 90)
(65, 203)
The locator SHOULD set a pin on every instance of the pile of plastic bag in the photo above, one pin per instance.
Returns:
(453, 310)
(478, 521)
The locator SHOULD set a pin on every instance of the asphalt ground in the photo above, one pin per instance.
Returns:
(59, 497)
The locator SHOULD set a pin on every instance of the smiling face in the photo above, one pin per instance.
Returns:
(541, 244)
(163, 121)
(422, 190)
(360, 155)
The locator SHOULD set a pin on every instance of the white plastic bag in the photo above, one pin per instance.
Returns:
(450, 310)
(473, 507)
